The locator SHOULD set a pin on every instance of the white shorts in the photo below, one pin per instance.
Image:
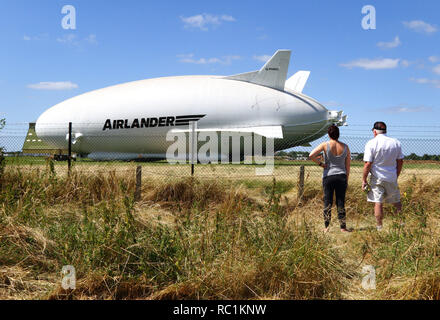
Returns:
(383, 191)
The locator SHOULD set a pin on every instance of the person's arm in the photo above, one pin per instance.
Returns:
(368, 160)
(399, 160)
(367, 168)
(314, 154)
(348, 162)
(399, 166)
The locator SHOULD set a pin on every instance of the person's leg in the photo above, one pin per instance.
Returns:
(328, 200)
(397, 208)
(393, 192)
(378, 213)
(341, 189)
(377, 195)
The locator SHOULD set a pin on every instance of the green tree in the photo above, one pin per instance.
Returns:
(360, 157)
(412, 156)
(281, 154)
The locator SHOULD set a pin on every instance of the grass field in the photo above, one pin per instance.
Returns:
(241, 238)
(32, 161)
(283, 170)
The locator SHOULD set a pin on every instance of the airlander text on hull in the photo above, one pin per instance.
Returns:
(168, 121)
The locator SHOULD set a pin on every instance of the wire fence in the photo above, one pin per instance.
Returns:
(121, 151)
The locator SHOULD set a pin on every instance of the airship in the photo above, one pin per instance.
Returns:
(132, 120)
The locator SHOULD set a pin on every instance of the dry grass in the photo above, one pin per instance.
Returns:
(187, 192)
(208, 239)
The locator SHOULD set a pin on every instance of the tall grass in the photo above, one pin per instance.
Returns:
(207, 239)
(408, 254)
(221, 243)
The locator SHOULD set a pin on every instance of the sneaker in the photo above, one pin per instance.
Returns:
(379, 228)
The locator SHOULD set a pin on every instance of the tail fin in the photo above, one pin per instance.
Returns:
(298, 81)
(273, 74)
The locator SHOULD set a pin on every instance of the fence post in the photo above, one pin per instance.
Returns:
(301, 183)
(137, 193)
(69, 159)
(193, 145)
(2, 167)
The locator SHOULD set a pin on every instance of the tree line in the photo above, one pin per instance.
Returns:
(358, 156)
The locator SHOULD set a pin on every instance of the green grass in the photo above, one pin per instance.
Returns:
(27, 160)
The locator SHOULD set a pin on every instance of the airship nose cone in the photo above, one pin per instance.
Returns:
(43, 123)
(39, 124)
(51, 128)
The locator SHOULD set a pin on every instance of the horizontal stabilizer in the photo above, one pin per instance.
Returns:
(274, 132)
(298, 81)
(272, 75)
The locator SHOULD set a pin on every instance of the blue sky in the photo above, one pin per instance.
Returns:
(391, 73)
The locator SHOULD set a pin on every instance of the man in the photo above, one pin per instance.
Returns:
(383, 160)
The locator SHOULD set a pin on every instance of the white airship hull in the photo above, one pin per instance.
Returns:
(135, 117)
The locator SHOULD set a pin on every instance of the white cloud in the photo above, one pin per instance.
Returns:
(69, 39)
(38, 37)
(389, 45)
(204, 20)
(263, 58)
(263, 35)
(227, 18)
(434, 82)
(189, 58)
(332, 104)
(405, 109)
(405, 63)
(62, 85)
(91, 39)
(436, 69)
(72, 40)
(372, 64)
(434, 59)
(420, 26)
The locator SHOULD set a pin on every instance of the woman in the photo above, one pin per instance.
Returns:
(336, 173)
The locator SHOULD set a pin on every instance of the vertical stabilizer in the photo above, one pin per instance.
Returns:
(298, 81)
(273, 74)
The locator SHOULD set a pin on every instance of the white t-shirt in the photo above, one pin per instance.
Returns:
(383, 152)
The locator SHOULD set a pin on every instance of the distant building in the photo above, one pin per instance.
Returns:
(34, 146)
